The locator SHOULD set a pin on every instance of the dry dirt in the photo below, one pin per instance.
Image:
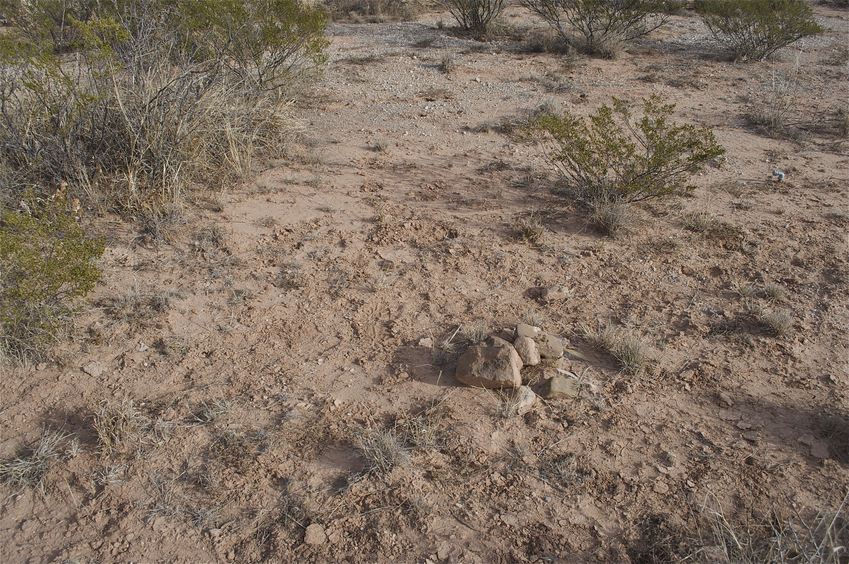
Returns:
(278, 325)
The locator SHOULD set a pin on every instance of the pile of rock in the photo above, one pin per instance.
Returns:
(498, 363)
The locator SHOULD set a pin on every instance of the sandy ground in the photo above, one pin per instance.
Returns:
(285, 320)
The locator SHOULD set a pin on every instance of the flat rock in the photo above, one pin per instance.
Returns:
(315, 535)
(527, 349)
(525, 400)
(93, 369)
(550, 346)
(525, 330)
(561, 386)
(426, 342)
(487, 366)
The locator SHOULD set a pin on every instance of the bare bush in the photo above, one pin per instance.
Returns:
(603, 26)
(475, 16)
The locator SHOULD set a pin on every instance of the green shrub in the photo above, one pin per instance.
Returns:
(160, 96)
(475, 16)
(755, 29)
(602, 25)
(47, 263)
(616, 157)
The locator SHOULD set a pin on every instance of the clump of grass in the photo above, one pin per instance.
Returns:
(28, 469)
(611, 218)
(120, 424)
(625, 347)
(474, 333)
(448, 64)
(774, 292)
(211, 412)
(380, 146)
(708, 225)
(776, 322)
(530, 229)
(383, 450)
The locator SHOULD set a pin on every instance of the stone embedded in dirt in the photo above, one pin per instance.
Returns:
(550, 346)
(525, 399)
(726, 399)
(93, 369)
(561, 386)
(426, 342)
(315, 535)
(496, 341)
(490, 367)
(527, 349)
(525, 330)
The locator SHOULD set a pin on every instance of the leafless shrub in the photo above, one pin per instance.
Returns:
(371, 10)
(775, 105)
(475, 16)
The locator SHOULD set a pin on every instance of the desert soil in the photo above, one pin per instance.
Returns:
(275, 325)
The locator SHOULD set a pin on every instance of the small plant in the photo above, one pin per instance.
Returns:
(474, 333)
(530, 229)
(448, 64)
(383, 450)
(602, 25)
(28, 469)
(775, 103)
(755, 29)
(615, 157)
(119, 425)
(48, 263)
(475, 16)
(626, 348)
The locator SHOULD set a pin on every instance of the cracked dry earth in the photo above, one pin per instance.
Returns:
(287, 321)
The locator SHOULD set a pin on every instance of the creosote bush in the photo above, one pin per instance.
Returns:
(48, 262)
(602, 26)
(755, 29)
(159, 96)
(475, 16)
(616, 157)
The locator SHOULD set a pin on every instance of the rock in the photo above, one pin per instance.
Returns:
(93, 369)
(561, 386)
(314, 535)
(525, 330)
(496, 341)
(557, 293)
(550, 346)
(726, 399)
(490, 367)
(525, 399)
(426, 342)
(527, 349)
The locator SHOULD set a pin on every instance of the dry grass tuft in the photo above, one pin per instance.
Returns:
(383, 450)
(28, 469)
(119, 425)
(530, 229)
(474, 333)
(628, 349)
(611, 218)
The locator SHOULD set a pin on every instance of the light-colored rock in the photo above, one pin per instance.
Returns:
(93, 369)
(561, 386)
(527, 349)
(525, 330)
(315, 535)
(550, 346)
(426, 342)
(490, 367)
(525, 400)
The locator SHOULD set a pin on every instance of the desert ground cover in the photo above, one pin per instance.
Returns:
(267, 371)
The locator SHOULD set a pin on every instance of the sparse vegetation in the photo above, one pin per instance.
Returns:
(614, 158)
(119, 426)
(475, 16)
(755, 29)
(28, 469)
(774, 105)
(625, 347)
(48, 264)
(382, 450)
(371, 10)
(155, 99)
(603, 26)
(530, 229)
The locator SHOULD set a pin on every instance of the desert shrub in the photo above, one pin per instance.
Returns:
(48, 262)
(774, 104)
(159, 96)
(50, 21)
(755, 29)
(614, 157)
(602, 25)
(475, 16)
(371, 10)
